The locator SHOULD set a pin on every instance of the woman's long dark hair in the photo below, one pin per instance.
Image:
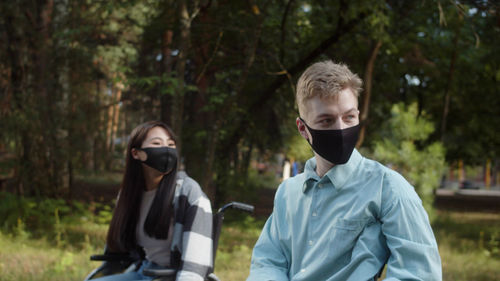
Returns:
(121, 234)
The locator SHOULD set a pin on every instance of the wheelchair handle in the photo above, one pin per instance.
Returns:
(239, 206)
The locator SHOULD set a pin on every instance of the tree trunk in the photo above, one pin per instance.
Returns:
(51, 175)
(367, 92)
(116, 115)
(18, 93)
(166, 99)
(449, 84)
(185, 20)
(283, 31)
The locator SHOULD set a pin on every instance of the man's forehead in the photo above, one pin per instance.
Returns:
(345, 102)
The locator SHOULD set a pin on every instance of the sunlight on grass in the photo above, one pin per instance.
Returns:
(469, 263)
(39, 260)
(467, 243)
(235, 247)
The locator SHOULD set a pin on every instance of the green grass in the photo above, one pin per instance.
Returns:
(468, 243)
(25, 259)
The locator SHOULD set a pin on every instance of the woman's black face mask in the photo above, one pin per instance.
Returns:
(336, 146)
(162, 159)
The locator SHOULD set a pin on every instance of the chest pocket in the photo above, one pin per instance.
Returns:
(343, 235)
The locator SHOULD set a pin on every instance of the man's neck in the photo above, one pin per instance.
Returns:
(322, 166)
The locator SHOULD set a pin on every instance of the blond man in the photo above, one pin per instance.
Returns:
(346, 215)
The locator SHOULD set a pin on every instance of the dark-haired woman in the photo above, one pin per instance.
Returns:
(160, 209)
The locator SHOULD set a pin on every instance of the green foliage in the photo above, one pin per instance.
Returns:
(104, 214)
(403, 148)
(299, 149)
(25, 217)
(243, 187)
(493, 249)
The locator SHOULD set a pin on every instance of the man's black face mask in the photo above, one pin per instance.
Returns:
(163, 159)
(336, 146)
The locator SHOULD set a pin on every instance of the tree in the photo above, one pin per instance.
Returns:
(50, 113)
(222, 73)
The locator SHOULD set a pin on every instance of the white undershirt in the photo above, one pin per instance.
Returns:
(157, 251)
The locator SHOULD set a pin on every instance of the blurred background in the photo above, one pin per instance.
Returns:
(77, 76)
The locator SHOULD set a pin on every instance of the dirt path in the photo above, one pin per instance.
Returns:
(87, 192)
(105, 193)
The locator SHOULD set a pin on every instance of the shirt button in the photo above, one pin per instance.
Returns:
(303, 270)
(320, 185)
(314, 214)
(310, 242)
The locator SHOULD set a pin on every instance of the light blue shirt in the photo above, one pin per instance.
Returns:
(345, 226)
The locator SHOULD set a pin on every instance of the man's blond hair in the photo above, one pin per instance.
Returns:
(325, 79)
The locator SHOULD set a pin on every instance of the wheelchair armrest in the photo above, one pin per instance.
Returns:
(113, 258)
(164, 272)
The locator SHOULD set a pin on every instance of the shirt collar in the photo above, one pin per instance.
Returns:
(338, 174)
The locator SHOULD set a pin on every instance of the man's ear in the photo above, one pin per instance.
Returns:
(302, 128)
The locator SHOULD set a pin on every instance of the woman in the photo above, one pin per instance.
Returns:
(160, 209)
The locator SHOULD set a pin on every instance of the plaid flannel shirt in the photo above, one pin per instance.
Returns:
(191, 249)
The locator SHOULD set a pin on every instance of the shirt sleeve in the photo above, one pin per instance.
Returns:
(269, 260)
(196, 259)
(413, 249)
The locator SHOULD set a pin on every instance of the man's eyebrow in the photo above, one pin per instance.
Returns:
(324, 115)
(350, 110)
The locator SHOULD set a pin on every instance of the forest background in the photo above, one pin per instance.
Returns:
(77, 76)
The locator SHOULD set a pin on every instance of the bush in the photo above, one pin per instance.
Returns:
(39, 215)
(404, 148)
(24, 216)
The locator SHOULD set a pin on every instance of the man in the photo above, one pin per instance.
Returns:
(345, 216)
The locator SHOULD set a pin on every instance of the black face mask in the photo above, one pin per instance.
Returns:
(335, 146)
(163, 159)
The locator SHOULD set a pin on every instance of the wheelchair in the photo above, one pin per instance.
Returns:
(120, 263)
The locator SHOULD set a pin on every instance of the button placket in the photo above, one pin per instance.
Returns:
(313, 225)
(314, 207)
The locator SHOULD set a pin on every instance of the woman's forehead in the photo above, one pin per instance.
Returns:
(158, 132)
